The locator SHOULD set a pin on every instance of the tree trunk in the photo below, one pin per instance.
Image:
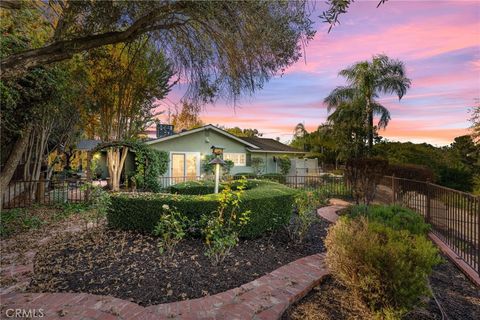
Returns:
(12, 161)
(370, 126)
(116, 160)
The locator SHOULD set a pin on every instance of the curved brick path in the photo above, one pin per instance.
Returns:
(264, 298)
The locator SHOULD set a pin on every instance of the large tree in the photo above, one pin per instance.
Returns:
(367, 81)
(187, 117)
(124, 81)
(217, 47)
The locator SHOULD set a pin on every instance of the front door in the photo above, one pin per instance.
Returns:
(184, 166)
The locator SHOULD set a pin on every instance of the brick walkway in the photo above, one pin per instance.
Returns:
(264, 298)
(329, 213)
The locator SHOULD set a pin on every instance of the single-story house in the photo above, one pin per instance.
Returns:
(187, 150)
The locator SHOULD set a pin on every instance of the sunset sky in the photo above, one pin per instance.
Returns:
(439, 41)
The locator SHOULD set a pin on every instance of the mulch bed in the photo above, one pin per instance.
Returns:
(459, 298)
(128, 265)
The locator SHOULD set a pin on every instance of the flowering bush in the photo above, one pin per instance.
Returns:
(221, 230)
(171, 228)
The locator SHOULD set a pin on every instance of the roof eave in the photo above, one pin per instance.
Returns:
(275, 151)
(181, 134)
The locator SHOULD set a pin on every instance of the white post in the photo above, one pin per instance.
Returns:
(217, 176)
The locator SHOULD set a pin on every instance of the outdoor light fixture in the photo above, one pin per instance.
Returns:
(217, 161)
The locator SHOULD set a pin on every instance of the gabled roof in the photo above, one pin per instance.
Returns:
(87, 145)
(270, 145)
(255, 144)
(209, 127)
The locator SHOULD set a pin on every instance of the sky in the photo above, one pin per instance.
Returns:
(439, 42)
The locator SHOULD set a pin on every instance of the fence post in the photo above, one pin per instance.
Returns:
(427, 213)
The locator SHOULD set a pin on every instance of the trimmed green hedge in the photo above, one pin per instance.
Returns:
(270, 204)
(194, 187)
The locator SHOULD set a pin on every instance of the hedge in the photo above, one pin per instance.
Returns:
(194, 187)
(411, 171)
(270, 204)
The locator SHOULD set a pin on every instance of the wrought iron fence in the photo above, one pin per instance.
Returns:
(453, 215)
(21, 194)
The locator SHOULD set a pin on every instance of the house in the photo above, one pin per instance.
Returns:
(187, 150)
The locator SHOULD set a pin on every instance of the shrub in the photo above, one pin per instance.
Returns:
(171, 228)
(385, 269)
(221, 230)
(97, 205)
(396, 217)
(207, 187)
(410, 171)
(257, 165)
(278, 177)
(285, 164)
(150, 164)
(363, 176)
(306, 204)
(248, 175)
(193, 187)
(270, 205)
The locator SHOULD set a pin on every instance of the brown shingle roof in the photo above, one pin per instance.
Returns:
(266, 144)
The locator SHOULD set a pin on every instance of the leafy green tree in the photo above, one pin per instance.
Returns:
(37, 111)
(337, 8)
(123, 83)
(366, 81)
(217, 48)
(248, 133)
(187, 118)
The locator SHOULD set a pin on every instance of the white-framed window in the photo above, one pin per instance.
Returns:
(239, 159)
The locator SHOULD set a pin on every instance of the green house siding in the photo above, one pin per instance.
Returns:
(201, 142)
(198, 145)
(270, 165)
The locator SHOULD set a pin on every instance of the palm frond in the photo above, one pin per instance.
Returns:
(383, 112)
(339, 96)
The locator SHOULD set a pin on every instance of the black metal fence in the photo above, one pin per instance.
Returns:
(21, 194)
(453, 215)
(330, 184)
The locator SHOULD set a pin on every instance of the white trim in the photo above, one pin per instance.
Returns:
(236, 154)
(181, 134)
(274, 151)
(197, 154)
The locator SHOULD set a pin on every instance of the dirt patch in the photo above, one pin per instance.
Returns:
(129, 266)
(459, 298)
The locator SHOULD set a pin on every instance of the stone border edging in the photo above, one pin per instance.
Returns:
(455, 258)
(264, 298)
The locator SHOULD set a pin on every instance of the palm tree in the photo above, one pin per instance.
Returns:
(366, 81)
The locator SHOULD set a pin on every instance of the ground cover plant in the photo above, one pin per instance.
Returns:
(383, 257)
(21, 220)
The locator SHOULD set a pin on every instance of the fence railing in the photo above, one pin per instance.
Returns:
(21, 194)
(453, 215)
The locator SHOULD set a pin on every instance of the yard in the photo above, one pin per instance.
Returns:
(197, 257)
